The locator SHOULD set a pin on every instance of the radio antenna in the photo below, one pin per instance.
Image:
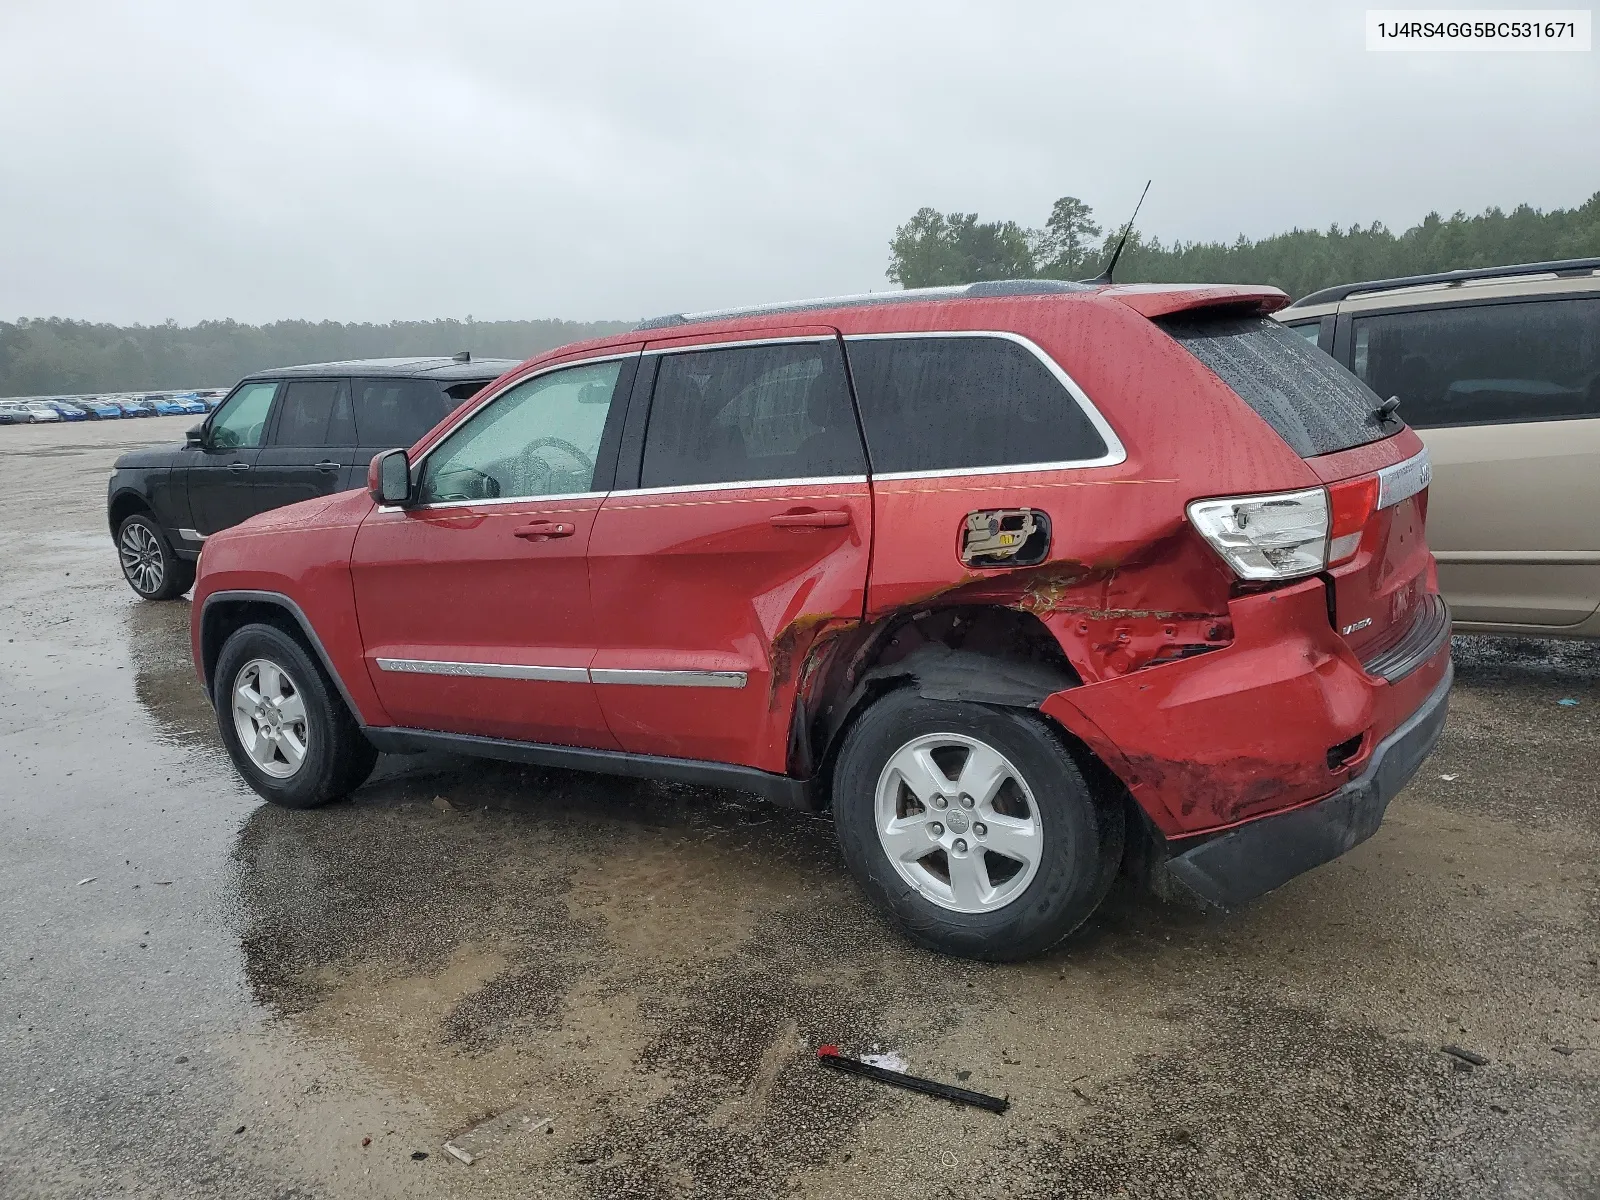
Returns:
(1105, 276)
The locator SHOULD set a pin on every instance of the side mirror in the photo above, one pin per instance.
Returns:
(195, 439)
(389, 477)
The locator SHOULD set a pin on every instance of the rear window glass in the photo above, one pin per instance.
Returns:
(956, 403)
(1485, 364)
(1316, 405)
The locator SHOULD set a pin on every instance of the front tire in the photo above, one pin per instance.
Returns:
(149, 564)
(971, 828)
(289, 735)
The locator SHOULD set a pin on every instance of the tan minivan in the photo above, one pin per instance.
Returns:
(1499, 371)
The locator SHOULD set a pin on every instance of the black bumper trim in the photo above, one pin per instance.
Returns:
(1253, 859)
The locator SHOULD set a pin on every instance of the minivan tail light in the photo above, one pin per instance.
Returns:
(1282, 535)
(1351, 503)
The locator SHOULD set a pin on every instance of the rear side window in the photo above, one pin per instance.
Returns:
(1485, 364)
(750, 414)
(957, 403)
(1316, 405)
(315, 412)
(396, 412)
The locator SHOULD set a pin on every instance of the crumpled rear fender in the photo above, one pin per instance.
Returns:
(1210, 741)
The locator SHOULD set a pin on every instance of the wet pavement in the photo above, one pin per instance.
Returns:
(603, 988)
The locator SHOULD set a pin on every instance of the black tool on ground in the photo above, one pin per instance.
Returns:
(829, 1056)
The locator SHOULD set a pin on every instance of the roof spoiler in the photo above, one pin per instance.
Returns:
(1163, 299)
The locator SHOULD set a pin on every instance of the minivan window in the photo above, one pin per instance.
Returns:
(396, 412)
(540, 438)
(956, 403)
(752, 413)
(1315, 405)
(1485, 363)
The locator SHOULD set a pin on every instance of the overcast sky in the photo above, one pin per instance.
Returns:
(353, 161)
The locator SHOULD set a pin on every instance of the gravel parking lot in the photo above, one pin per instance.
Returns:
(604, 988)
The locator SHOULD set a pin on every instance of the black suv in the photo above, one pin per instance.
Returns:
(283, 435)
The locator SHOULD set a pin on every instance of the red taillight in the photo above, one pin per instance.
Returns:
(1351, 503)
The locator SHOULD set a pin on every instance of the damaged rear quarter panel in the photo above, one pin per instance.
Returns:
(1127, 581)
(1214, 740)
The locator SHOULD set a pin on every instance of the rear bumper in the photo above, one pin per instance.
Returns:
(1254, 858)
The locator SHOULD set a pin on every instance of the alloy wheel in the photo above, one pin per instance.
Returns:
(958, 822)
(141, 557)
(269, 716)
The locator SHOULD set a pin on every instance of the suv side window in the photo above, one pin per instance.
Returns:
(1485, 363)
(396, 412)
(956, 403)
(315, 412)
(239, 423)
(751, 414)
(541, 438)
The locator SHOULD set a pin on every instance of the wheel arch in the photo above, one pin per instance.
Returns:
(223, 613)
(986, 654)
(124, 504)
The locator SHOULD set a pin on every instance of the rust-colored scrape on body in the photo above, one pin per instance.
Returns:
(1221, 793)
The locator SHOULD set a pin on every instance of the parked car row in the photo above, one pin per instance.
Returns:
(108, 408)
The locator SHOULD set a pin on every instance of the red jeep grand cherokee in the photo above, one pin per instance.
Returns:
(1013, 577)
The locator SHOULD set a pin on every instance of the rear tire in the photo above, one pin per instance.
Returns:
(999, 872)
(149, 564)
(288, 733)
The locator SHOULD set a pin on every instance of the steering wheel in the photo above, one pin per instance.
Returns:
(578, 456)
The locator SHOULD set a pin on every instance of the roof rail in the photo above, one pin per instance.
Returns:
(1565, 266)
(988, 288)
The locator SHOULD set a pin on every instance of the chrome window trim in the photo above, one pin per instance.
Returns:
(604, 675)
(446, 504)
(1115, 454)
(655, 678)
(424, 666)
(739, 484)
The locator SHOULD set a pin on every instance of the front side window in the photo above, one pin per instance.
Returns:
(1485, 363)
(541, 438)
(749, 414)
(240, 422)
(315, 412)
(957, 403)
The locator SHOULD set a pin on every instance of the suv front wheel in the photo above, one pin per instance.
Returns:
(148, 563)
(292, 739)
(971, 827)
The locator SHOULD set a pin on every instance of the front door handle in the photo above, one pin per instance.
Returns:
(327, 465)
(238, 466)
(802, 518)
(540, 531)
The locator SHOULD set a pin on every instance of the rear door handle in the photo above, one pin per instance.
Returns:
(327, 465)
(539, 531)
(832, 518)
(238, 466)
